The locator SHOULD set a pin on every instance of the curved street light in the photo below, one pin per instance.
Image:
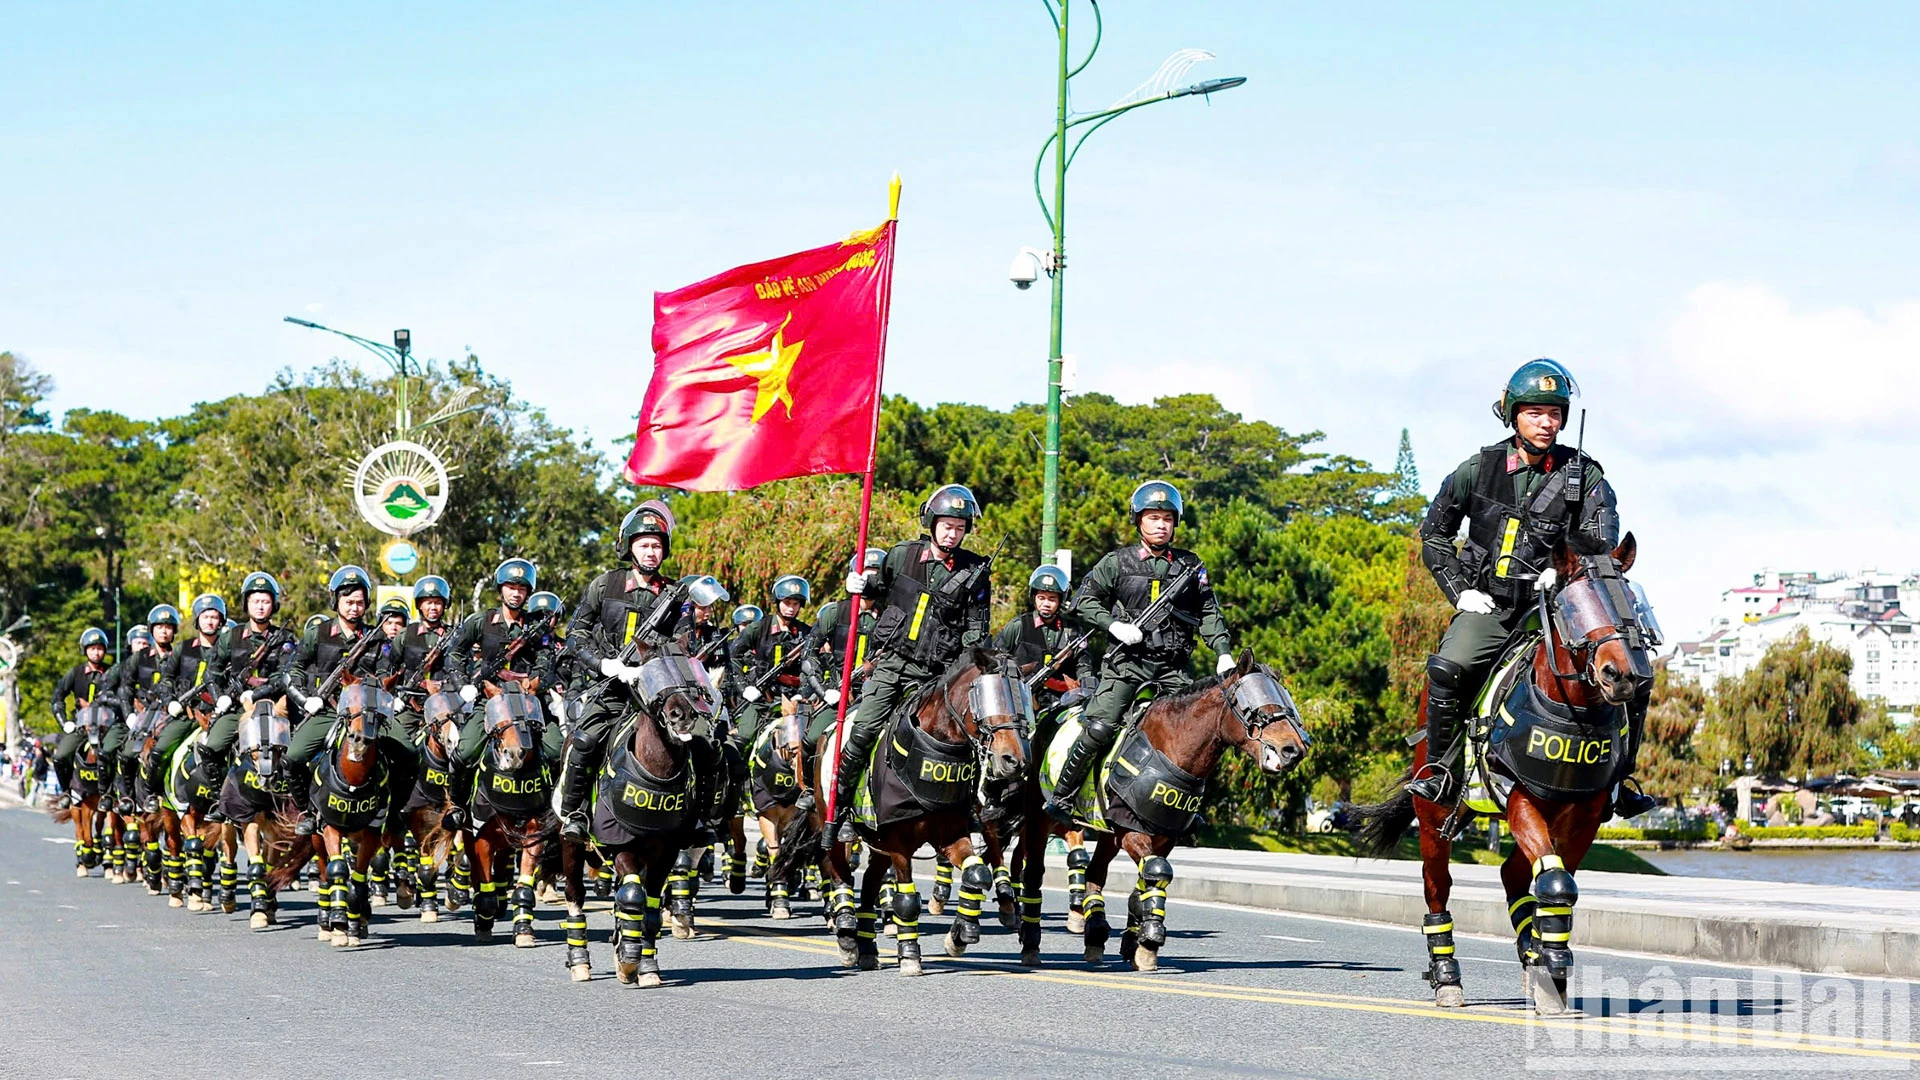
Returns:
(399, 357)
(1030, 262)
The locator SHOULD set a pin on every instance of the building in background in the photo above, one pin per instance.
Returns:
(1865, 614)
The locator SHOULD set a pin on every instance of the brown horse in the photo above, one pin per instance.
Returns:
(1559, 746)
(89, 786)
(513, 790)
(189, 839)
(350, 794)
(426, 810)
(1150, 794)
(256, 801)
(781, 793)
(974, 718)
(643, 814)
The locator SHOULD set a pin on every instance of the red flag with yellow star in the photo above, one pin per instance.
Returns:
(768, 371)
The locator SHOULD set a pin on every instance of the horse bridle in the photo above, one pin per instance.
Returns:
(1625, 628)
(982, 735)
(1258, 722)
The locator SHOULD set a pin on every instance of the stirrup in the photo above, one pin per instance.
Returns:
(153, 804)
(574, 826)
(1060, 809)
(1632, 802)
(305, 826)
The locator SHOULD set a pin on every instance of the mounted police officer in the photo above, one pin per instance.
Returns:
(322, 650)
(922, 623)
(251, 662)
(699, 630)
(84, 684)
(1121, 587)
(189, 667)
(775, 643)
(416, 663)
(1512, 497)
(612, 609)
(512, 648)
(1036, 638)
(826, 648)
(136, 683)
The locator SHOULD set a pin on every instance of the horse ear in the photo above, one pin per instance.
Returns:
(1246, 663)
(983, 659)
(1628, 551)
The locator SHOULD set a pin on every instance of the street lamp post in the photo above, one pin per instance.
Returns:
(1159, 88)
(399, 357)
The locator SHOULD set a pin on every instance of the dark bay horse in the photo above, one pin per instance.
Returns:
(781, 792)
(1543, 752)
(972, 720)
(183, 826)
(89, 786)
(426, 809)
(513, 819)
(643, 815)
(256, 800)
(350, 798)
(1148, 793)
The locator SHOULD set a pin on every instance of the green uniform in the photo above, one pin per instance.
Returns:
(611, 610)
(247, 660)
(1034, 641)
(405, 662)
(826, 651)
(84, 684)
(771, 642)
(479, 654)
(322, 649)
(142, 685)
(188, 665)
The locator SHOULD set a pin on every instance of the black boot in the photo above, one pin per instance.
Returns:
(853, 767)
(152, 775)
(1631, 802)
(301, 791)
(459, 790)
(573, 796)
(1095, 738)
(1446, 710)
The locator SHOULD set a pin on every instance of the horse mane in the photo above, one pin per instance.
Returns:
(1194, 691)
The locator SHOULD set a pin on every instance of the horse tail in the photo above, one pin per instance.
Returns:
(797, 841)
(61, 817)
(287, 870)
(1382, 824)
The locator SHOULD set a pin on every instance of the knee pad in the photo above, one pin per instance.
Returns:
(337, 871)
(1156, 871)
(684, 862)
(1099, 729)
(194, 846)
(382, 860)
(1555, 888)
(760, 849)
(584, 741)
(1444, 673)
(977, 877)
(630, 898)
(906, 906)
(1078, 859)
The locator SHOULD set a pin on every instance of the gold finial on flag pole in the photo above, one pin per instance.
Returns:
(893, 198)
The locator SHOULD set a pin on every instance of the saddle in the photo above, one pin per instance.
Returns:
(1135, 786)
(186, 788)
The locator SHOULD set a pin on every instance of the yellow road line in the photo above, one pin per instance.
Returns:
(1630, 1025)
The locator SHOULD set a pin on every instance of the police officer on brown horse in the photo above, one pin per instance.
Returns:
(1514, 499)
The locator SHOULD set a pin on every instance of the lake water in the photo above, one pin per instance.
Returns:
(1869, 869)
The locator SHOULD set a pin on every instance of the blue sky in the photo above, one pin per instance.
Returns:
(1709, 214)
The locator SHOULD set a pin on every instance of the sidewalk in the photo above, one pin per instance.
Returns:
(1819, 928)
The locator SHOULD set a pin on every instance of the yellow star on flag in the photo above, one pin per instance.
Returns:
(771, 366)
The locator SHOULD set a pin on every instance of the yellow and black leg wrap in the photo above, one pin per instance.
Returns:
(523, 903)
(486, 904)
(680, 886)
(575, 927)
(736, 872)
(1443, 967)
(1097, 931)
(630, 905)
(1556, 893)
(1156, 873)
(906, 919)
(1029, 919)
(844, 922)
(1077, 862)
(1526, 941)
(975, 879)
(942, 879)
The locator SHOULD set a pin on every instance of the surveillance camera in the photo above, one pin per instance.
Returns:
(1023, 271)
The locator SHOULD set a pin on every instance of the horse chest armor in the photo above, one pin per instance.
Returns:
(347, 807)
(938, 774)
(642, 802)
(1551, 752)
(520, 794)
(1164, 797)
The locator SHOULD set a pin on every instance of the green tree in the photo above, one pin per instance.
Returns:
(1795, 712)
(1670, 762)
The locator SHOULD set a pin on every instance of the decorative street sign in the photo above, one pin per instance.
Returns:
(400, 557)
(400, 488)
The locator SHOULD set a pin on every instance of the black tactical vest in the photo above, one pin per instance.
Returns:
(1037, 643)
(416, 641)
(1138, 588)
(1505, 549)
(191, 663)
(330, 645)
(836, 636)
(145, 677)
(622, 610)
(916, 624)
(775, 647)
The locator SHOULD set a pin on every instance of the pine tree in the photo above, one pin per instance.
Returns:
(1406, 482)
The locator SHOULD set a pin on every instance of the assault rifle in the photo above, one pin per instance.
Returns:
(656, 629)
(952, 591)
(1148, 620)
(427, 664)
(716, 643)
(267, 641)
(529, 631)
(791, 659)
(368, 638)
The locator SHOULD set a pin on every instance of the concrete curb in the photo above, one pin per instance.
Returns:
(1803, 944)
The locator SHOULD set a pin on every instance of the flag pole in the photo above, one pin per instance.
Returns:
(855, 603)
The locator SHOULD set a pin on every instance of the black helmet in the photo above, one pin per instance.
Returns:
(953, 501)
(1048, 578)
(164, 615)
(871, 560)
(1538, 382)
(209, 602)
(260, 581)
(516, 572)
(650, 518)
(791, 585)
(396, 606)
(92, 636)
(705, 590)
(1156, 495)
(541, 602)
(348, 578)
(314, 620)
(431, 586)
(746, 615)
(138, 632)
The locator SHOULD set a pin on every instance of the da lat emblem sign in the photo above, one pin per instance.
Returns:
(400, 487)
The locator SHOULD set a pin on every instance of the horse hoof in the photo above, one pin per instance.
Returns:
(524, 940)
(648, 980)
(850, 956)
(1076, 922)
(174, 901)
(376, 900)
(483, 936)
(1449, 997)
(780, 914)
(228, 907)
(1547, 994)
(627, 972)
(340, 939)
(1009, 915)
(547, 894)
(1030, 958)
(352, 942)
(194, 903)
(682, 928)
(936, 905)
(869, 963)
(580, 972)
(910, 967)
(79, 871)
(1094, 954)
(955, 947)
(259, 921)
(429, 916)
(890, 930)
(1146, 958)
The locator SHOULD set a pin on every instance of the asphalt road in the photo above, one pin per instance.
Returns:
(99, 980)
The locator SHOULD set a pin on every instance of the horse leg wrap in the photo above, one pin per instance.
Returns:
(1029, 919)
(358, 896)
(1525, 941)
(1097, 929)
(759, 859)
(1002, 883)
(1155, 875)
(336, 888)
(576, 931)
(486, 905)
(460, 881)
(942, 879)
(176, 873)
(906, 916)
(257, 884)
(867, 923)
(975, 879)
(630, 917)
(1553, 887)
(844, 921)
(680, 887)
(705, 868)
(523, 900)
(1443, 968)
(377, 871)
(1077, 862)
(154, 859)
(736, 873)
(196, 852)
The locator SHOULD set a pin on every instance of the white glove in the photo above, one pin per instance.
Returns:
(67, 726)
(174, 709)
(312, 705)
(246, 699)
(751, 693)
(1546, 579)
(856, 583)
(832, 696)
(1225, 664)
(716, 674)
(629, 674)
(611, 668)
(1474, 602)
(1125, 633)
(556, 703)
(469, 693)
(225, 703)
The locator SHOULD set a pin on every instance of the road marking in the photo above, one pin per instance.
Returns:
(108, 926)
(1657, 1026)
(1301, 940)
(1491, 960)
(67, 840)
